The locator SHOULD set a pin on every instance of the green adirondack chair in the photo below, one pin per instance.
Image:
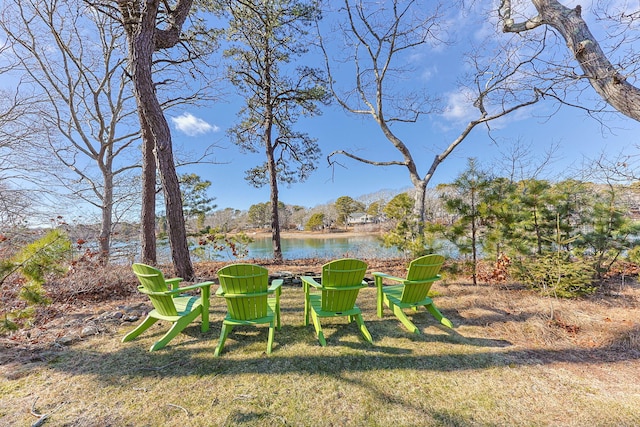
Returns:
(169, 304)
(339, 286)
(245, 287)
(413, 291)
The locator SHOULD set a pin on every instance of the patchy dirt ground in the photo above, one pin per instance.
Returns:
(90, 302)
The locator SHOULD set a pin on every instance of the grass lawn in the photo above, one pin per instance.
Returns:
(505, 364)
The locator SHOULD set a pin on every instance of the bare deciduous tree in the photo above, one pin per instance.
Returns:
(379, 39)
(70, 57)
(15, 202)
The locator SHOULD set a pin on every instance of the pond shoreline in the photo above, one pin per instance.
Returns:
(315, 234)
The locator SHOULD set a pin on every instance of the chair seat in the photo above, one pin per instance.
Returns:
(271, 310)
(316, 302)
(184, 306)
(394, 293)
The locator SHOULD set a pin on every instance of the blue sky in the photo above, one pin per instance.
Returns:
(578, 136)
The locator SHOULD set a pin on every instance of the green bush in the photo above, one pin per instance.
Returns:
(213, 244)
(633, 255)
(34, 262)
(555, 275)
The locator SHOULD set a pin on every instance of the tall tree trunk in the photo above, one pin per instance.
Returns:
(107, 219)
(148, 212)
(273, 185)
(143, 39)
(420, 187)
(474, 237)
(173, 205)
(271, 161)
(275, 220)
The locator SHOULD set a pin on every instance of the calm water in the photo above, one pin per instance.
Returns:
(261, 248)
(338, 247)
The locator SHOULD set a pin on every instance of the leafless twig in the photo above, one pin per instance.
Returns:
(159, 368)
(179, 407)
(42, 418)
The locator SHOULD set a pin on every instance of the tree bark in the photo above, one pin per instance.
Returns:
(148, 212)
(173, 203)
(273, 185)
(107, 219)
(420, 187)
(602, 75)
(143, 39)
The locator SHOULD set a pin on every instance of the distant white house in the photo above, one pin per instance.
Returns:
(360, 218)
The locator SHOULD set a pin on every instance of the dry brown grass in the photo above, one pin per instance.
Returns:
(513, 359)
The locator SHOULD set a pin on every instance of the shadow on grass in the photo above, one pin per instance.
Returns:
(491, 315)
(296, 350)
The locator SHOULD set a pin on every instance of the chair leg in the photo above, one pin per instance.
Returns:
(223, 337)
(379, 295)
(316, 324)
(146, 324)
(363, 328)
(176, 328)
(204, 327)
(403, 318)
(274, 305)
(436, 313)
(271, 333)
(305, 288)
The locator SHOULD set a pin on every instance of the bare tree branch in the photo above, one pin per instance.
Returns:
(377, 39)
(607, 80)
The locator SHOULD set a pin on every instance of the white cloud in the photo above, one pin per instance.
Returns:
(428, 73)
(192, 125)
(460, 109)
(459, 106)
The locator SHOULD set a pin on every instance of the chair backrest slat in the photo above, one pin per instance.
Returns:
(422, 272)
(239, 279)
(152, 280)
(342, 273)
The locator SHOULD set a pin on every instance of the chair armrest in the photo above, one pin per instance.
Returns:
(311, 281)
(173, 283)
(275, 284)
(387, 276)
(142, 290)
(429, 280)
(345, 288)
(276, 287)
(177, 291)
(194, 286)
(205, 292)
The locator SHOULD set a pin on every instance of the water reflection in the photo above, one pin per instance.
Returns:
(261, 248)
(338, 247)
